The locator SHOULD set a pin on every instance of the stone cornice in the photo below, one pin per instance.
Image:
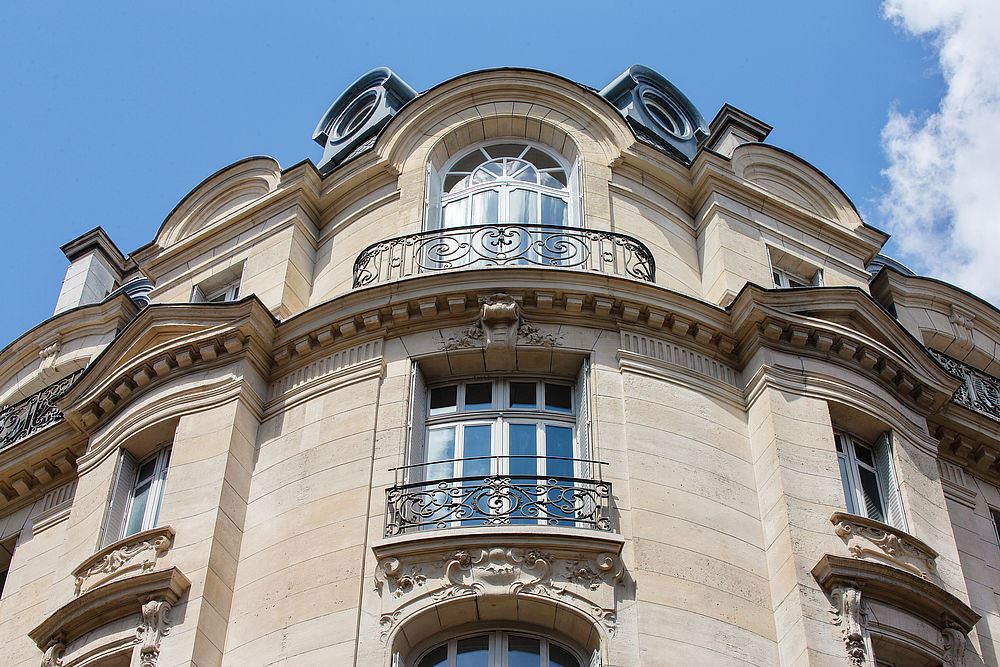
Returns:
(444, 299)
(765, 318)
(156, 262)
(712, 172)
(168, 340)
(98, 318)
(896, 587)
(108, 603)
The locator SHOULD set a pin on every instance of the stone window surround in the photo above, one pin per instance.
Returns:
(497, 639)
(849, 581)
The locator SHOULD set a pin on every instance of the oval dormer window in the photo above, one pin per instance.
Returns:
(355, 115)
(666, 115)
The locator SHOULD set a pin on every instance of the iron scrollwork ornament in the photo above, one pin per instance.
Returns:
(38, 411)
(504, 245)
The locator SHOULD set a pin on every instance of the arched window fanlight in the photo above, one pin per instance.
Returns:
(507, 182)
(499, 649)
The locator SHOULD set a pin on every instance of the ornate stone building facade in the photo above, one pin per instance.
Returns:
(522, 373)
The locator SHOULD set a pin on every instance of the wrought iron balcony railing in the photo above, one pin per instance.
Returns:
(498, 499)
(38, 411)
(504, 245)
(979, 391)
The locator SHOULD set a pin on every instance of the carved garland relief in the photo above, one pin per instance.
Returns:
(500, 329)
(140, 556)
(861, 535)
(588, 583)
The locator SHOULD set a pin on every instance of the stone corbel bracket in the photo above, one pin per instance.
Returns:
(582, 571)
(104, 604)
(135, 554)
(869, 539)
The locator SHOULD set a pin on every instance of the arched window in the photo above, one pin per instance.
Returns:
(504, 182)
(499, 649)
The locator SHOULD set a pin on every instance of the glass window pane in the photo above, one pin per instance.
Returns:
(523, 207)
(558, 398)
(522, 395)
(540, 159)
(441, 447)
(522, 171)
(470, 161)
(523, 652)
(485, 208)
(845, 479)
(839, 443)
(559, 442)
(553, 211)
(455, 182)
(436, 658)
(479, 396)
(455, 213)
(474, 652)
(478, 439)
(869, 489)
(505, 150)
(864, 454)
(138, 509)
(444, 399)
(560, 657)
(554, 179)
(146, 471)
(523, 449)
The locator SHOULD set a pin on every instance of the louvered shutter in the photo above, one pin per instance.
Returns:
(885, 470)
(121, 492)
(416, 425)
(582, 403)
(595, 659)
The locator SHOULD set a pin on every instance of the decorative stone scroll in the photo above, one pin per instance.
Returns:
(849, 615)
(135, 554)
(52, 657)
(891, 546)
(155, 625)
(588, 581)
(954, 646)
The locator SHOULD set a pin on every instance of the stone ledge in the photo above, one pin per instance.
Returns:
(548, 537)
(108, 603)
(896, 587)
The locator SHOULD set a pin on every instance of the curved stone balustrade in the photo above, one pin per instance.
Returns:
(891, 545)
(504, 245)
(135, 554)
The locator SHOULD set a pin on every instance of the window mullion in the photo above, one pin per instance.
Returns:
(854, 467)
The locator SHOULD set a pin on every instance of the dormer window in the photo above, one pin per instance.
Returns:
(222, 287)
(504, 183)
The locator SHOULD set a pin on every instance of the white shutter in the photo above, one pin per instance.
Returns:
(121, 491)
(887, 481)
(432, 213)
(581, 401)
(595, 658)
(417, 427)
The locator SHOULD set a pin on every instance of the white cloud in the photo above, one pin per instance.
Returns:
(943, 202)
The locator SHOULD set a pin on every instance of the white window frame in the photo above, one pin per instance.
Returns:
(229, 292)
(437, 195)
(849, 467)
(122, 497)
(500, 416)
(499, 647)
(784, 279)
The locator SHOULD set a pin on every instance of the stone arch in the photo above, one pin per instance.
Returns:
(564, 623)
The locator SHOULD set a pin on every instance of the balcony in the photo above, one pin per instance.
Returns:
(35, 413)
(498, 499)
(501, 246)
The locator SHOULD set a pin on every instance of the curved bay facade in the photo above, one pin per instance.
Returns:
(521, 373)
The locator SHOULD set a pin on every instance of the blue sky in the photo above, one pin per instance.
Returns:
(112, 116)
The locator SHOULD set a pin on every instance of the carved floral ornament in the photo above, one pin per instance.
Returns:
(500, 328)
(137, 554)
(588, 582)
(890, 545)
